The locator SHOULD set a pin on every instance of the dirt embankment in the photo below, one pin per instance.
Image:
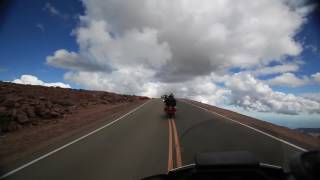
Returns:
(34, 117)
(301, 139)
(25, 105)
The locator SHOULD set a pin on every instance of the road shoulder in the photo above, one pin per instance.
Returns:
(27, 144)
(300, 139)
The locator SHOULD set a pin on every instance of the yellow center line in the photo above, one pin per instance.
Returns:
(177, 144)
(170, 160)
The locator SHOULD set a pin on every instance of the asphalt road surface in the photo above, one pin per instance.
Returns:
(145, 142)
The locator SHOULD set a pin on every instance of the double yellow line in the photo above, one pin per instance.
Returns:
(174, 145)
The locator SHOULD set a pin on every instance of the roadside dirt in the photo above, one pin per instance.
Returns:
(301, 139)
(78, 111)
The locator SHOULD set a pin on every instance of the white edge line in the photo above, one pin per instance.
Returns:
(193, 165)
(262, 132)
(68, 144)
(270, 165)
(183, 167)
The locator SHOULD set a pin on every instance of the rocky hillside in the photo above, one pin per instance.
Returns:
(27, 105)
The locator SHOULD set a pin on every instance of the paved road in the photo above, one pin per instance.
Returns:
(145, 142)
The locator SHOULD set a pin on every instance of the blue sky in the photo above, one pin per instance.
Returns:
(25, 46)
(43, 39)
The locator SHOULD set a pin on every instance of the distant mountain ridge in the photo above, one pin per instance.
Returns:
(309, 130)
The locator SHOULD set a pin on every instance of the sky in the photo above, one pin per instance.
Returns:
(260, 58)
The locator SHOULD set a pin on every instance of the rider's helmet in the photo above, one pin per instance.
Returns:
(171, 95)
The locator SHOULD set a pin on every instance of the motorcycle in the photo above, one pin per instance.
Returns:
(243, 165)
(170, 111)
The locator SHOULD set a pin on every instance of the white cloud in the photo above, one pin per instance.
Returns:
(199, 89)
(288, 79)
(51, 9)
(33, 80)
(40, 26)
(73, 61)
(312, 96)
(193, 38)
(316, 77)
(313, 48)
(253, 94)
(150, 47)
(54, 11)
(134, 47)
(278, 69)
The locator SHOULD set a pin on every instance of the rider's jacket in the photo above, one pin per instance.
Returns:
(170, 101)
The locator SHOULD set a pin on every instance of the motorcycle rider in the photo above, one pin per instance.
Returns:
(170, 101)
